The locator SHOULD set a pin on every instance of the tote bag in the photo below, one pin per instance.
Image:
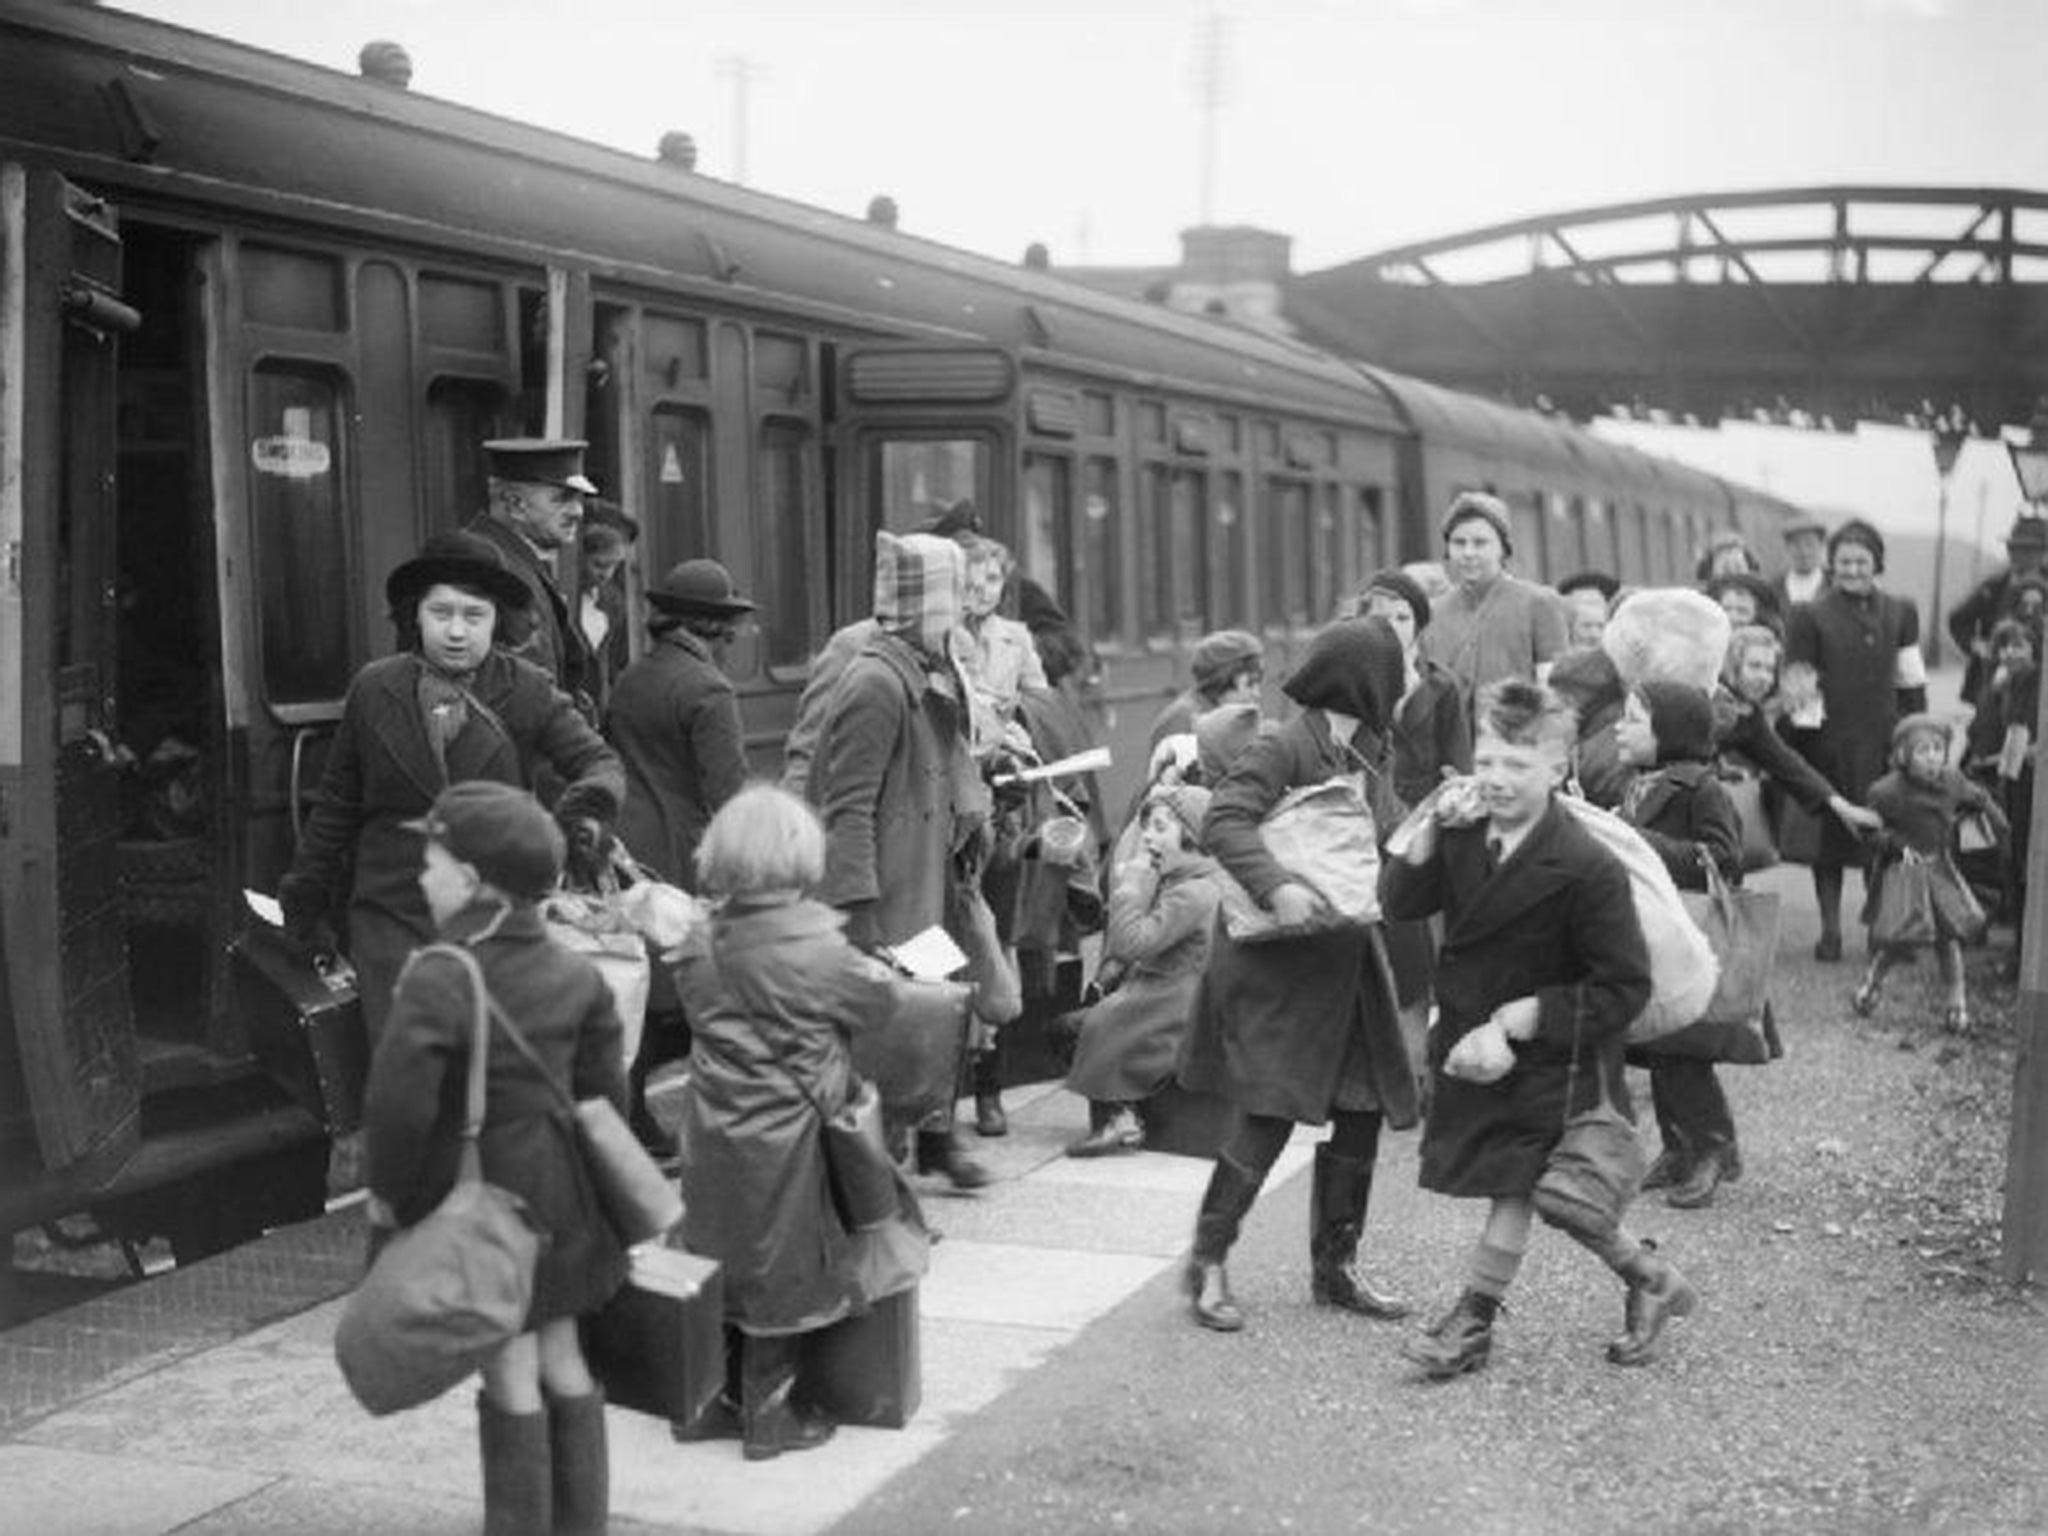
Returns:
(1745, 790)
(446, 1293)
(1323, 836)
(1742, 928)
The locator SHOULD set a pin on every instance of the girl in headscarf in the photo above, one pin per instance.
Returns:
(1302, 1030)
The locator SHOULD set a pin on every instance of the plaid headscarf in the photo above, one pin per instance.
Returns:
(919, 582)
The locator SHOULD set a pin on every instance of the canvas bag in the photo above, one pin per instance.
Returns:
(593, 925)
(1595, 1169)
(446, 1293)
(637, 1198)
(1742, 927)
(1323, 836)
(1745, 790)
(1683, 970)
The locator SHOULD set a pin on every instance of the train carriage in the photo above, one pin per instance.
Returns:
(255, 318)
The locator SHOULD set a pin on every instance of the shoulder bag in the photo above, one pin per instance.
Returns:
(638, 1199)
(861, 1173)
(1745, 790)
(1596, 1167)
(1742, 929)
(1323, 836)
(446, 1293)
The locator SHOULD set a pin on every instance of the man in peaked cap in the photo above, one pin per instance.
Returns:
(1805, 570)
(536, 490)
(1973, 619)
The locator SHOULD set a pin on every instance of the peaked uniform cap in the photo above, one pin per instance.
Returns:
(456, 558)
(699, 586)
(556, 461)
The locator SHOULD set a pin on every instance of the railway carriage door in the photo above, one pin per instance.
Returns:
(65, 954)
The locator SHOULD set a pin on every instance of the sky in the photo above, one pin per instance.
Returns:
(1348, 124)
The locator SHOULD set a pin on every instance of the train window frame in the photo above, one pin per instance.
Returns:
(662, 545)
(289, 465)
(1283, 598)
(811, 597)
(876, 438)
(1105, 609)
(1231, 568)
(1061, 542)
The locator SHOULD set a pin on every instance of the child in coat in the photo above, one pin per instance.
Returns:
(1543, 965)
(1921, 800)
(1666, 735)
(491, 853)
(1161, 914)
(775, 994)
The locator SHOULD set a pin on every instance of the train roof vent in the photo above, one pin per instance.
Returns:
(903, 375)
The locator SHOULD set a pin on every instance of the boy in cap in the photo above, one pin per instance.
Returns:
(491, 852)
(1229, 667)
(536, 487)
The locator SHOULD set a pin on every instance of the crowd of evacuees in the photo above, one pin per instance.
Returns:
(515, 738)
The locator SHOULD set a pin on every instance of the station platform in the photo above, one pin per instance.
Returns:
(206, 1401)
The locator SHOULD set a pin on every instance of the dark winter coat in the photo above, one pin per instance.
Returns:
(1431, 733)
(546, 633)
(1160, 928)
(676, 724)
(775, 995)
(413, 1107)
(1295, 1027)
(1743, 730)
(1555, 921)
(1853, 643)
(381, 773)
(895, 785)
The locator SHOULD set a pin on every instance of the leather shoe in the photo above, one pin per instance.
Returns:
(1671, 1167)
(1699, 1185)
(989, 1119)
(938, 1152)
(1459, 1341)
(1829, 947)
(1208, 1287)
(1657, 1292)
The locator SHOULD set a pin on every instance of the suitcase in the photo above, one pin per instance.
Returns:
(865, 1369)
(305, 1025)
(658, 1345)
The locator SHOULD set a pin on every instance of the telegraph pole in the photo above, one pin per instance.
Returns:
(1212, 89)
(739, 71)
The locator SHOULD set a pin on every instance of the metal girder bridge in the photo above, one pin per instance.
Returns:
(1814, 306)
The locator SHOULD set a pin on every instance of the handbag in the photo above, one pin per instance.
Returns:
(1742, 929)
(1745, 790)
(1799, 832)
(914, 1059)
(859, 1172)
(1902, 912)
(446, 1293)
(1323, 836)
(638, 1200)
(1976, 833)
(1594, 1170)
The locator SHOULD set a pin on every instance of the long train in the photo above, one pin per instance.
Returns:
(255, 317)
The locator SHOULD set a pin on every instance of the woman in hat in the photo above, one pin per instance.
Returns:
(1491, 624)
(1863, 645)
(1430, 732)
(1747, 599)
(447, 707)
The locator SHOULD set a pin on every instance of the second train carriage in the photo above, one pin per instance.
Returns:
(255, 316)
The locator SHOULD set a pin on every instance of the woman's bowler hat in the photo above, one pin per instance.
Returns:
(457, 558)
(699, 587)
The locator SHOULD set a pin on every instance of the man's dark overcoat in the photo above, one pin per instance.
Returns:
(413, 1106)
(381, 773)
(1555, 921)
(546, 632)
(1295, 1027)
(676, 724)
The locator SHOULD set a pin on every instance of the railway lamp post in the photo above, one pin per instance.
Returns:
(1949, 436)
(2024, 1233)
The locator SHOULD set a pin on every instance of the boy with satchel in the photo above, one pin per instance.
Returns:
(1542, 968)
(491, 853)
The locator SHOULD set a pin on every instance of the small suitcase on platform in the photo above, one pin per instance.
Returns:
(305, 1025)
(865, 1369)
(658, 1345)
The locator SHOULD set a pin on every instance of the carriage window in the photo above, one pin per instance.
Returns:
(1527, 522)
(1156, 554)
(1371, 532)
(1098, 413)
(678, 524)
(1629, 544)
(917, 476)
(1102, 536)
(1047, 556)
(1282, 553)
(461, 415)
(1230, 587)
(455, 312)
(786, 548)
(300, 511)
(1190, 549)
(1326, 567)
